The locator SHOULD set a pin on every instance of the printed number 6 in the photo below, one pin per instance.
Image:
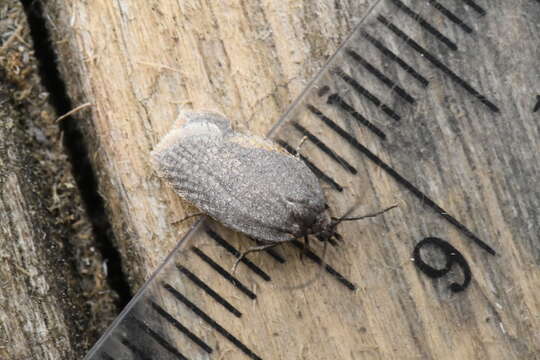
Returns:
(452, 257)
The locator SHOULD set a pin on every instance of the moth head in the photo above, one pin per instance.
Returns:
(324, 228)
(330, 232)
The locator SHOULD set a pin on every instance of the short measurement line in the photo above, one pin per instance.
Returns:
(106, 356)
(537, 105)
(400, 179)
(220, 270)
(426, 55)
(134, 349)
(336, 100)
(318, 172)
(451, 16)
(427, 26)
(323, 90)
(324, 148)
(159, 339)
(272, 252)
(210, 321)
(360, 90)
(388, 53)
(315, 258)
(207, 289)
(232, 250)
(476, 7)
(379, 75)
(181, 327)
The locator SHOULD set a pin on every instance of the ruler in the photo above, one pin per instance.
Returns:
(409, 70)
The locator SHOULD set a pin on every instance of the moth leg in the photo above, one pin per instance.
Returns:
(305, 248)
(250, 250)
(188, 217)
(302, 141)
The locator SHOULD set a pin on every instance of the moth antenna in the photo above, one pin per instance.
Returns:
(343, 218)
(337, 220)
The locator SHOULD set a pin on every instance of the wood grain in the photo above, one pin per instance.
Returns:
(51, 276)
(37, 292)
(139, 63)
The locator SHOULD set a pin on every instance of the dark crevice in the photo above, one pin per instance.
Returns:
(76, 149)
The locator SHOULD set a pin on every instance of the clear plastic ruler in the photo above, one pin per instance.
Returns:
(408, 67)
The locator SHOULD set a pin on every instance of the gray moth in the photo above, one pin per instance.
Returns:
(246, 182)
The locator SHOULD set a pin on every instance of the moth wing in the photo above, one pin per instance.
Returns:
(248, 183)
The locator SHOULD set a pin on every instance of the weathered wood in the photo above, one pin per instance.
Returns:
(139, 63)
(51, 277)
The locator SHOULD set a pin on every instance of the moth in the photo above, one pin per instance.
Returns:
(246, 182)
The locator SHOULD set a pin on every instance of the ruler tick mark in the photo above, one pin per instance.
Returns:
(476, 7)
(388, 53)
(220, 270)
(106, 356)
(158, 338)
(134, 349)
(315, 258)
(207, 289)
(451, 16)
(324, 148)
(338, 101)
(366, 93)
(537, 106)
(426, 55)
(400, 179)
(427, 26)
(322, 91)
(318, 172)
(272, 252)
(177, 295)
(231, 249)
(379, 75)
(181, 327)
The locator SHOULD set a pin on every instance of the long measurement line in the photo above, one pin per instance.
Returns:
(416, 192)
(324, 148)
(379, 75)
(318, 172)
(360, 90)
(426, 55)
(211, 321)
(221, 271)
(315, 258)
(159, 339)
(392, 56)
(476, 7)
(181, 327)
(133, 348)
(207, 289)
(451, 16)
(339, 102)
(232, 250)
(427, 26)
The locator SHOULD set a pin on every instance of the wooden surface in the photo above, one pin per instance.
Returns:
(51, 277)
(140, 63)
